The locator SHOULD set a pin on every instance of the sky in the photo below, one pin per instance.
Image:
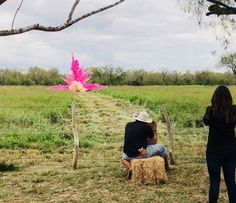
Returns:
(149, 34)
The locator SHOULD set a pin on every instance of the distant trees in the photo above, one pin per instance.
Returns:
(118, 76)
(109, 75)
(33, 76)
(229, 61)
(44, 77)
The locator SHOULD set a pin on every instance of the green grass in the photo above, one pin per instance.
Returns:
(34, 117)
(185, 104)
(37, 145)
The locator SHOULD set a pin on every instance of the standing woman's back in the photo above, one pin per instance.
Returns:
(221, 146)
(221, 132)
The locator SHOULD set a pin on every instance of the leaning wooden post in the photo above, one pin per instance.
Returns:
(170, 135)
(76, 137)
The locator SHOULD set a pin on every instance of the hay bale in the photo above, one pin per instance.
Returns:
(148, 170)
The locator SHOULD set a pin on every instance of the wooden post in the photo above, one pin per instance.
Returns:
(76, 137)
(170, 135)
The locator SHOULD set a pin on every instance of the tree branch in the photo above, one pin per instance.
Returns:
(218, 8)
(72, 10)
(2, 1)
(59, 27)
(16, 13)
(219, 3)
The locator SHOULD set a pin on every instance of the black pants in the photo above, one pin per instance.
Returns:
(214, 163)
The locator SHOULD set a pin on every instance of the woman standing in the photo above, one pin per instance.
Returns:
(221, 146)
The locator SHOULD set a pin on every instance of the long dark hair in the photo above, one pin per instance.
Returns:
(222, 104)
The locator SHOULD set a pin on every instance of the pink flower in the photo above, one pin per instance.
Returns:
(78, 82)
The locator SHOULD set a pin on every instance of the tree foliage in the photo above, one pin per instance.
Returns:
(218, 15)
(209, 7)
(33, 76)
(229, 61)
(112, 76)
(109, 75)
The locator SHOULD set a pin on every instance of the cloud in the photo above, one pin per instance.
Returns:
(143, 34)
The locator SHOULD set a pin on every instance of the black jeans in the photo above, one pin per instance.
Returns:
(214, 163)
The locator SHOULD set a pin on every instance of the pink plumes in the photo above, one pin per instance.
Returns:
(78, 82)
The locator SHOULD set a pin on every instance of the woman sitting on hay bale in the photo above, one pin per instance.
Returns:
(140, 140)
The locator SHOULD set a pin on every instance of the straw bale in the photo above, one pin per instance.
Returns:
(148, 170)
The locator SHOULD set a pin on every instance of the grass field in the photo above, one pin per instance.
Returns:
(36, 145)
(185, 104)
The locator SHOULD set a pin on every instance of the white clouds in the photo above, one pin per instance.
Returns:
(137, 33)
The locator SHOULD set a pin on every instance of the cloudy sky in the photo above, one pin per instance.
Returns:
(149, 34)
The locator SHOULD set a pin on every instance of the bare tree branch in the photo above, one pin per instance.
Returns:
(59, 27)
(219, 8)
(72, 10)
(219, 3)
(2, 1)
(16, 13)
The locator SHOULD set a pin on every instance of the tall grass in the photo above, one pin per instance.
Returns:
(185, 104)
(34, 117)
(32, 175)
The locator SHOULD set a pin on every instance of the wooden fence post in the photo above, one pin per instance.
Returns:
(76, 137)
(170, 135)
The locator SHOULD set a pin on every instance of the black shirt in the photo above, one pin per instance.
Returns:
(221, 137)
(136, 134)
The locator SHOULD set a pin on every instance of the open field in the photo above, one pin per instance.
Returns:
(185, 104)
(36, 147)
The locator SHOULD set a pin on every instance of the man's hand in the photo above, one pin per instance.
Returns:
(142, 151)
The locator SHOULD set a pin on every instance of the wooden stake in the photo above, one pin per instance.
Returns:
(170, 135)
(76, 137)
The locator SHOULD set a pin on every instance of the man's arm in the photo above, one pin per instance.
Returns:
(152, 133)
(152, 140)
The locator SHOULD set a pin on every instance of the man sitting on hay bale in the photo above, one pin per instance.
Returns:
(140, 141)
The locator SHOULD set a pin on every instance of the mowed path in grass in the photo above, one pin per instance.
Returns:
(46, 175)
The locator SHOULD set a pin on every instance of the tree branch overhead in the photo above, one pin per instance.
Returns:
(72, 10)
(2, 1)
(219, 8)
(16, 13)
(70, 21)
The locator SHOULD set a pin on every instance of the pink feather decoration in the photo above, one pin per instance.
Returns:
(78, 81)
(60, 87)
(90, 86)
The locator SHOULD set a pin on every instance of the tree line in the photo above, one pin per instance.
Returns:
(109, 75)
(31, 76)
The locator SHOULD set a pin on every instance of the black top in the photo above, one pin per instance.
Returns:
(221, 136)
(136, 134)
